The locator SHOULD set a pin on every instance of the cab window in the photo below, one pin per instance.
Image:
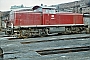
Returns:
(50, 11)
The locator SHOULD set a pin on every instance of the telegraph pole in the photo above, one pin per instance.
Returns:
(1, 53)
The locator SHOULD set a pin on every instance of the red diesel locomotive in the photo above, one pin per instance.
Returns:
(43, 21)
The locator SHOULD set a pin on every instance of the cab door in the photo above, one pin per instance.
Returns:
(49, 16)
(45, 17)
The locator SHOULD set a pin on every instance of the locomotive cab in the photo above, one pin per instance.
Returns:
(50, 10)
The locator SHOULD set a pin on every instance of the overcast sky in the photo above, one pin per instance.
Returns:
(6, 4)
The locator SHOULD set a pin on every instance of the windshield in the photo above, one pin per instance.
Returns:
(51, 11)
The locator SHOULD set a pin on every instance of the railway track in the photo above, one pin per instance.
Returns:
(84, 37)
(12, 38)
(63, 50)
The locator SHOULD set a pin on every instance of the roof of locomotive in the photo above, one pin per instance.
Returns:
(68, 13)
(43, 7)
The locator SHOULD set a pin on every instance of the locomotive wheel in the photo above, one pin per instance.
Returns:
(42, 33)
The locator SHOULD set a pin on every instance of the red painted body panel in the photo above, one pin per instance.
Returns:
(62, 18)
(27, 18)
(49, 19)
(70, 18)
(53, 19)
(33, 18)
(65, 19)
